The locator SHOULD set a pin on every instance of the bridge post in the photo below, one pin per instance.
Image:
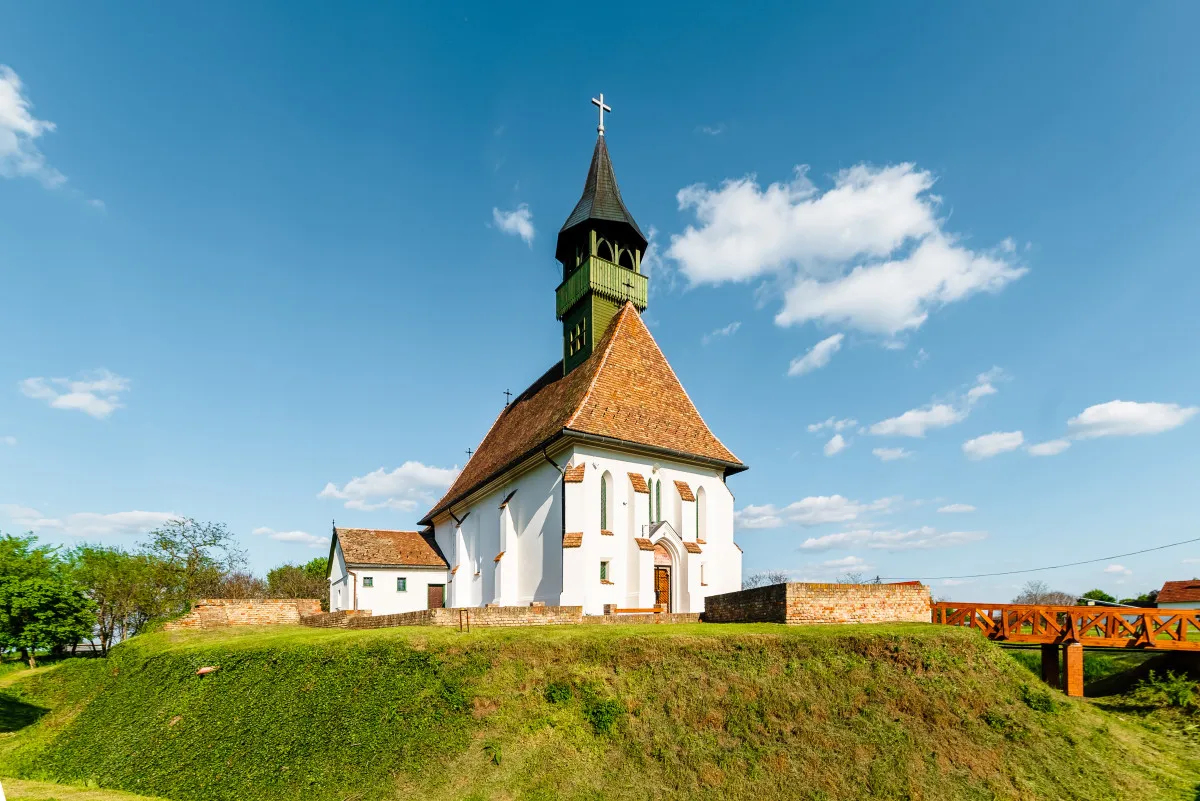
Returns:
(1073, 667)
(1050, 673)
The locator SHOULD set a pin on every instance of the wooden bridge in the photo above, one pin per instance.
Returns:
(1073, 627)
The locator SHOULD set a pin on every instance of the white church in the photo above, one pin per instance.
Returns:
(599, 485)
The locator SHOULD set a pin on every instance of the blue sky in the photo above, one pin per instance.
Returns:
(251, 255)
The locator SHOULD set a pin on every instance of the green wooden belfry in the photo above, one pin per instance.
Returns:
(600, 247)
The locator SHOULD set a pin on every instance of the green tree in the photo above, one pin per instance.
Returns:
(192, 559)
(123, 588)
(309, 580)
(42, 612)
(1099, 595)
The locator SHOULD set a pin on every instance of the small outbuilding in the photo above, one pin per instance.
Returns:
(1180, 595)
(387, 572)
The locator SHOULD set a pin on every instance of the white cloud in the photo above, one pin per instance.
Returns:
(19, 132)
(870, 252)
(915, 539)
(87, 524)
(1050, 448)
(97, 393)
(989, 445)
(955, 508)
(302, 537)
(726, 331)
(832, 423)
(891, 454)
(810, 511)
(9, 440)
(1128, 418)
(817, 356)
(921, 358)
(1118, 570)
(915, 422)
(711, 130)
(404, 488)
(518, 222)
(836, 445)
(845, 561)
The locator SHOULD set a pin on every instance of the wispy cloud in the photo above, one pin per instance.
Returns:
(300, 537)
(817, 356)
(955, 508)
(832, 423)
(518, 222)
(915, 422)
(725, 331)
(405, 488)
(97, 393)
(870, 253)
(835, 445)
(87, 524)
(1128, 418)
(891, 454)
(9, 440)
(711, 130)
(1118, 570)
(19, 135)
(989, 445)
(1051, 448)
(811, 511)
(895, 540)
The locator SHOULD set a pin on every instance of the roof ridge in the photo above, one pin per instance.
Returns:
(612, 338)
(682, 388)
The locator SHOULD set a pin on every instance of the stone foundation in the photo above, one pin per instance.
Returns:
(798, 603)
(210, 613)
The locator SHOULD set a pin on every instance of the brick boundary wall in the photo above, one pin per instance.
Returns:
(210, 613)
(482, 617)
(646, 618)
(822, 603)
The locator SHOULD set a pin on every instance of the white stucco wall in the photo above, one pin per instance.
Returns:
(535, 566)
(384, 599)
(1180, 605)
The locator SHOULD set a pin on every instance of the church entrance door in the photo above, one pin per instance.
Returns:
(437, 596)
(662, 587)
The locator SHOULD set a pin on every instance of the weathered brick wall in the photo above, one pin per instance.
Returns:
(215, 612)
(821, 603)
(481, 617)
(646, 618)
(758, 605)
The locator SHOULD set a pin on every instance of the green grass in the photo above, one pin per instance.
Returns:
(584, 712)
(19, 790)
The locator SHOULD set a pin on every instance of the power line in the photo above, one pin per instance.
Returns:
(1038, 569)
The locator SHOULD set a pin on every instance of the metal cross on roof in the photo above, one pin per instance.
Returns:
(469, 452)
(507, 397)
(603, 108)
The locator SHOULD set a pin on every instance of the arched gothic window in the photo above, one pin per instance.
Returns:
(606, 501)
(701, 514)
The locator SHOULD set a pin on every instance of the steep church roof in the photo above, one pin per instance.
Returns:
(601, 199)
(625, 391)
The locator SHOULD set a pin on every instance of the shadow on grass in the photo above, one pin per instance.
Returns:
(16, 715)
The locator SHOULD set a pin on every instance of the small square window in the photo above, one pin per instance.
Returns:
(604, 571)
(368, 581)
(401, 585)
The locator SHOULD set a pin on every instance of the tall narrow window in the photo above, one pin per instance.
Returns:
(650, 500)
(701, 515)
(603, 505)
(658, 500)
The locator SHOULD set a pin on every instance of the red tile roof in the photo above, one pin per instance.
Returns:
(1179, 591)
(574, 475)
(639, 483)
(606, 533)
(685, 492)
(624, 391)
(644, 544)
(370, 546)
(692, 547)
(572, 539)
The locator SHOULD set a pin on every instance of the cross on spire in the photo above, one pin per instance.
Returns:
(469, 452)
(507, 397)
(603, 108)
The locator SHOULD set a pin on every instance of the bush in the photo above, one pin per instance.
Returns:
(558, 692)
(1172, 690)
(1038, 699)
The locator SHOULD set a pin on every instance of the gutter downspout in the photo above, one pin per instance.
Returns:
(562, 561)
(354, 578)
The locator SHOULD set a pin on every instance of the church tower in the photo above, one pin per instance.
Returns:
(600, 247)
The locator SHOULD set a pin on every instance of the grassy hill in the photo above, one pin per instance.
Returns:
(622, 712)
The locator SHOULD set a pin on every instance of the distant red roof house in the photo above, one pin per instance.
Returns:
(1180, 592)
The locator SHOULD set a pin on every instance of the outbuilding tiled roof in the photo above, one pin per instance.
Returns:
(624, 391)
(372, 546)
(685, 492)
(1173, 592)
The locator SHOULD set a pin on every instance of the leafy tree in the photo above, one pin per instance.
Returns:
(241, 584)
(765, 579)
(192, 558)
(123, 588)
(1146, 599)
(301, 581)
(1099, 595)
(43, 612)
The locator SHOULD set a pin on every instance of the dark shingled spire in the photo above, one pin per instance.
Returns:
(601, 200)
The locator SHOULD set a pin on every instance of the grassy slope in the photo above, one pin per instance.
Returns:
(580, 712)
(18, 790)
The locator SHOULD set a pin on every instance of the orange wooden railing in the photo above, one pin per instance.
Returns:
(1113, 627)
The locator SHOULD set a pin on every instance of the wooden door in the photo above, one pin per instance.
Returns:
(662, 586)
(437, 596)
